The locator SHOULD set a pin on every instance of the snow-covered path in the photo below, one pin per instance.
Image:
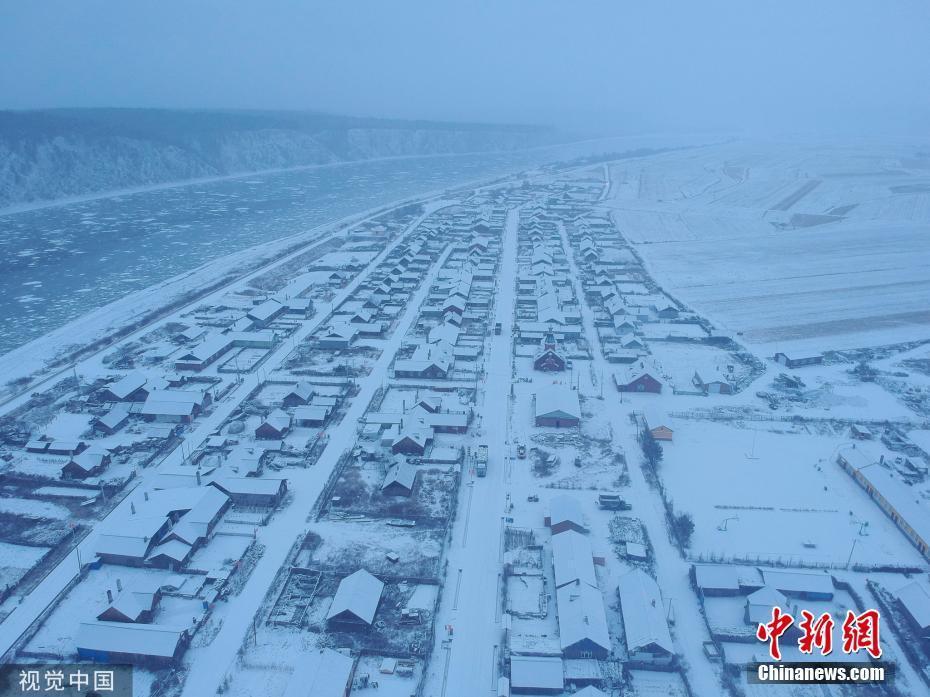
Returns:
(208, 665)
(690, 630)
(24, 614)
(471, 598)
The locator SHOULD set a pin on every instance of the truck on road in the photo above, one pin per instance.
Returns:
(481, 461)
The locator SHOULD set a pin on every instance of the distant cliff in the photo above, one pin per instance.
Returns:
(51, 154)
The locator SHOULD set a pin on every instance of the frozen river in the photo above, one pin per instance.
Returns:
(58, 263)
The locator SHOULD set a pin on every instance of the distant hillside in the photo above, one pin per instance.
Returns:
(51, 154)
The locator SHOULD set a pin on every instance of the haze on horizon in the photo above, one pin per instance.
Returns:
(609, 67)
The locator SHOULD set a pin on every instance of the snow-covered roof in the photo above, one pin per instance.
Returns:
(400, 473)
(172, 402)
(126, 385)
(208, 348)
(195, 524)
(581, 615)
(590, 691)
(724, 577)
(311, 412)
(176, 550)
(643, 612)
(572, 559)
(303, 390)
(915, 597)
(767, 596)
(794, 582)
(131, 536)
(90, 458)
(558, 401)
(565, 509)
(322, 673)
(278, 419)
(129, 638)
(266, 311)
(902, 497)
(536, 673)
(115, 416)
(132, 602)
(761, 602)
(359, 594)
(248, 485)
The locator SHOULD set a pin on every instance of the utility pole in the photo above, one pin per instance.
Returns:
(851, 550)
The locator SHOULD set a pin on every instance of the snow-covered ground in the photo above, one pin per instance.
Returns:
(728, 233)
(723, 230)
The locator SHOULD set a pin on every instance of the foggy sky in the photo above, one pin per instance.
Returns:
(613, 66)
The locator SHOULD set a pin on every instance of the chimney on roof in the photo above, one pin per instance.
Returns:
(109, 596)
(119, 585)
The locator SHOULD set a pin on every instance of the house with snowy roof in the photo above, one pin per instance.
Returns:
(356, 601)
(648, 640)
(582, 621)
(275, 426)
(151, 645)
(557, 406)
(399, 480)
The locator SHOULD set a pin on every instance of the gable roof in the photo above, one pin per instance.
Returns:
(558, 401)
(400, 473)
(172, 402)
(303, 390)
(572, 559)
(565, 509)
(582, 616)
(126, 385)
(131, 536)
(359, 594)
(767, 596)
(278, 419)
(643, 612)
(132, 602)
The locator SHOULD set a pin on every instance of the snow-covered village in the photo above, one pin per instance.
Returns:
(313, 406)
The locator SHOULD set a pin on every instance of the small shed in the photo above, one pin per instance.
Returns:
(662, 433)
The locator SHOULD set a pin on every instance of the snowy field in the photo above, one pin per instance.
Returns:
(778, 493)
(16, 560)
(794, 247)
